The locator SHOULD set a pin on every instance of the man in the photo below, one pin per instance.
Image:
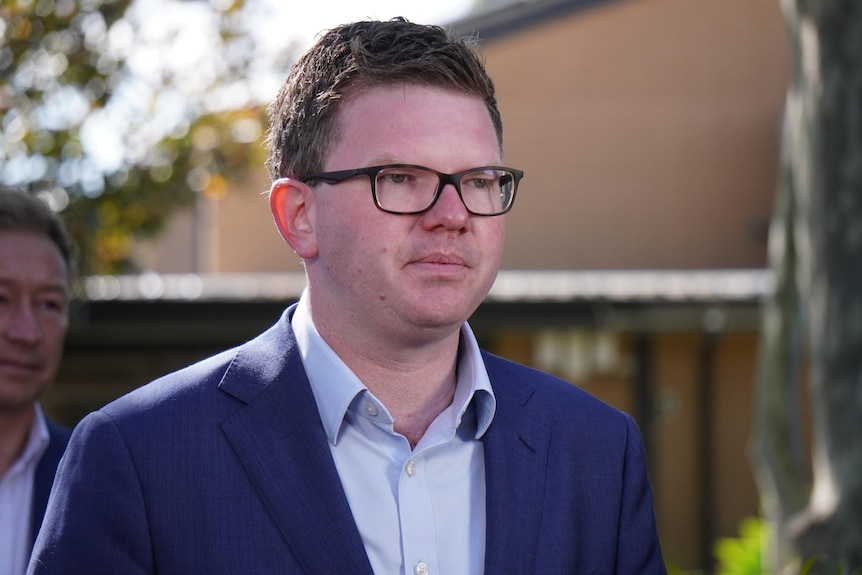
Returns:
(365, 432)
(35, 271)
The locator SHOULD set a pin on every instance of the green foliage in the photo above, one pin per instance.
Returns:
(139, 201)
(67, 68)
(743, 555)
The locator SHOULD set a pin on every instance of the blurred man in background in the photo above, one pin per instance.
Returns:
(35, 271)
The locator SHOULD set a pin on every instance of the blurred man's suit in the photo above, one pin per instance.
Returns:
(45, 471)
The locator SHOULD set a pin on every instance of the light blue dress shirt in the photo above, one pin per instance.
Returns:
(16, 498)
(419, 511)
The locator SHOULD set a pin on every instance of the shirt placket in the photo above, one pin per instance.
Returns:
(419, 541)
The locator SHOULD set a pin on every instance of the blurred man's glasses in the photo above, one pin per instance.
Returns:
(406, 189)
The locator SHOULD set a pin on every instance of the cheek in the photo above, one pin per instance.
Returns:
(493, 239)
(349, 251)
(370, 240)
(54, 335)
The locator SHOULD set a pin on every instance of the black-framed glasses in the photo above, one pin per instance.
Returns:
(408, 189)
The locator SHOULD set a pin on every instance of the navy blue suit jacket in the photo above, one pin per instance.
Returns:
(224, 467)
(45, 470)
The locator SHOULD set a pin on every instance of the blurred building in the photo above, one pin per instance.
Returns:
(635, 255)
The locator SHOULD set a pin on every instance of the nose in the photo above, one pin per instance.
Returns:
(448, 211)
(22, 325)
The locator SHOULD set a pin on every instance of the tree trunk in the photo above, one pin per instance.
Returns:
(778, 452)
(823, 183)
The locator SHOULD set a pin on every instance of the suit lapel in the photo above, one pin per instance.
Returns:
(516, 458)
(280, 441)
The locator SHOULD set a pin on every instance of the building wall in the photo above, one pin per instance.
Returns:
(234, 234)
(648, 131)
(688, 503)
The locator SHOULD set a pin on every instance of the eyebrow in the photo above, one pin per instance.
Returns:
(61, 287)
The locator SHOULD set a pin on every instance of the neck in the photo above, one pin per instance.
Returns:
(416, 399)
(415, 384)
(14, 433)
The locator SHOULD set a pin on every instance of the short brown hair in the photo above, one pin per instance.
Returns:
(20, 211)
(361, 54)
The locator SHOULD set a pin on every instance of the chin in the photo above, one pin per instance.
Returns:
(443, 322)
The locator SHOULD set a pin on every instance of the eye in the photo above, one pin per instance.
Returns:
(396, 178)
(480, 182)
(390, 177)
(52, 304)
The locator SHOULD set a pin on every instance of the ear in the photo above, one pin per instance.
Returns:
(292, 205)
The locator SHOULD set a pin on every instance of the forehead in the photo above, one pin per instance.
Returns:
(31, 260)
(399, 121)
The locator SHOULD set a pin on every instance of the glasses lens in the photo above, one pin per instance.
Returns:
(488, 192)
(411, 189)
(405, 189)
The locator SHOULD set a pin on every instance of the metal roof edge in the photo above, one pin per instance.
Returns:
(734, 285)
(525, 286)
(492, 24)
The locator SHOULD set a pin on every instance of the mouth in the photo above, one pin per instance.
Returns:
(441, 265)
(442, 260)
(17, 365)
(447, 268)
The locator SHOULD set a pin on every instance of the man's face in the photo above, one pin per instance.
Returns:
(409, 277)
(33, 317)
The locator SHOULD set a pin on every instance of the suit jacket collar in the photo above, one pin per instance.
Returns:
(280, 441)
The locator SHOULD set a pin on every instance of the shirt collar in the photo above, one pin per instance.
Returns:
(335, 386)
(37, 442)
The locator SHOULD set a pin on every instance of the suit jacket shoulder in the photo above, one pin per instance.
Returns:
(554, 399)
(220, 467)
(566, 478)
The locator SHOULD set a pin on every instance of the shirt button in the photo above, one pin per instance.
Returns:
(371, 409)
(411, 469)
(421, 569)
